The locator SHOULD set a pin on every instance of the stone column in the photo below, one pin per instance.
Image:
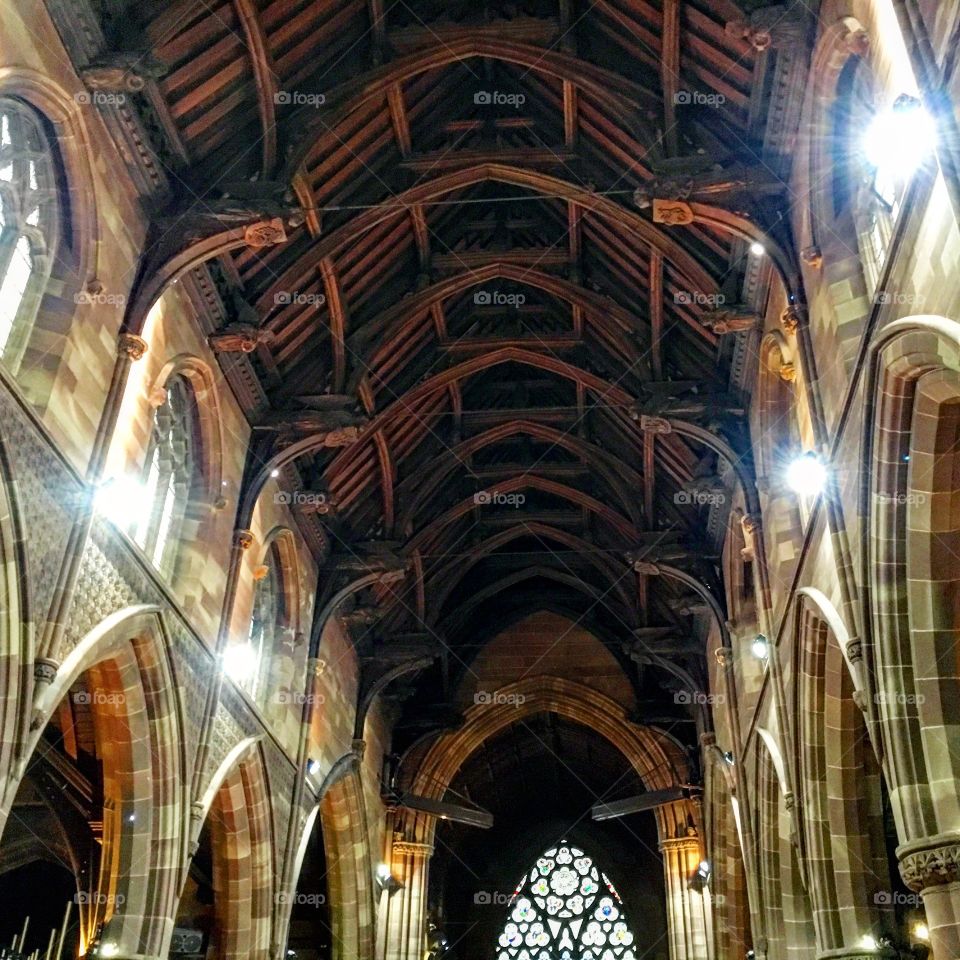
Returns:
(931, 867)
(688, 911)
(402, 917)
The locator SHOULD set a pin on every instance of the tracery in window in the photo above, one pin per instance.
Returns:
(169, 475)
(28, 223)
(564, 908)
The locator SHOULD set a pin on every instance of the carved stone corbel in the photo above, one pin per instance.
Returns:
(792, 317)
(131, 346)
(238, 338)
(730, 319)
(122, 72)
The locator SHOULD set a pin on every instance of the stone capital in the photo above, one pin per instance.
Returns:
(417, 851)
(680, 843)
(931, 862)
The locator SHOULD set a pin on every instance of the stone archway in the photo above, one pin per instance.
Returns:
(233, 850)
(120, 676)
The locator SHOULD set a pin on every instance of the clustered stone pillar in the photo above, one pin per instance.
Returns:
(402, 919)
(688, 910)
(931, 867)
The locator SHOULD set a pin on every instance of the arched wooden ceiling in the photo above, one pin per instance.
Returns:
(474, 278)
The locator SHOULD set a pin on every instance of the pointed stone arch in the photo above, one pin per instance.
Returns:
(839, 778)
(343, 819)
(138, 724)
(235, 806)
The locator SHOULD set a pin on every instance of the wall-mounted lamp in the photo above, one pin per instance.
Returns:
(386, 880)
(760, 647)
(807, 474)
(900, 138)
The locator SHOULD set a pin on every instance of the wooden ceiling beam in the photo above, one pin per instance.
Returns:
(469, 345)
(617, 475)
(670, 73)
(540, 31)
(532, 256)
(387, 476)
(378, 30)
(607, 86)
(656, 313)
(265, 77)
(338, 322)
(455, 160)
(538, 181)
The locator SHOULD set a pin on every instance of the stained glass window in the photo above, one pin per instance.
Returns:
(564, 908)
(28, 216)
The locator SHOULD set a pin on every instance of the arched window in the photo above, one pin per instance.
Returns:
(28, 224)
(270, 616)
(564, 908)
(871, 193)
(170, 475)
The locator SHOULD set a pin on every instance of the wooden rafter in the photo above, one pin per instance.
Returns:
(670, 72)
(338, 322)
(265, 75)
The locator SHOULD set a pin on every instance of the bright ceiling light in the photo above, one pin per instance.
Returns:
(757, 248)
(900, 138)
(760, 648)
(868, 942)
(239, 662)
(921, 931)
(807, 475)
